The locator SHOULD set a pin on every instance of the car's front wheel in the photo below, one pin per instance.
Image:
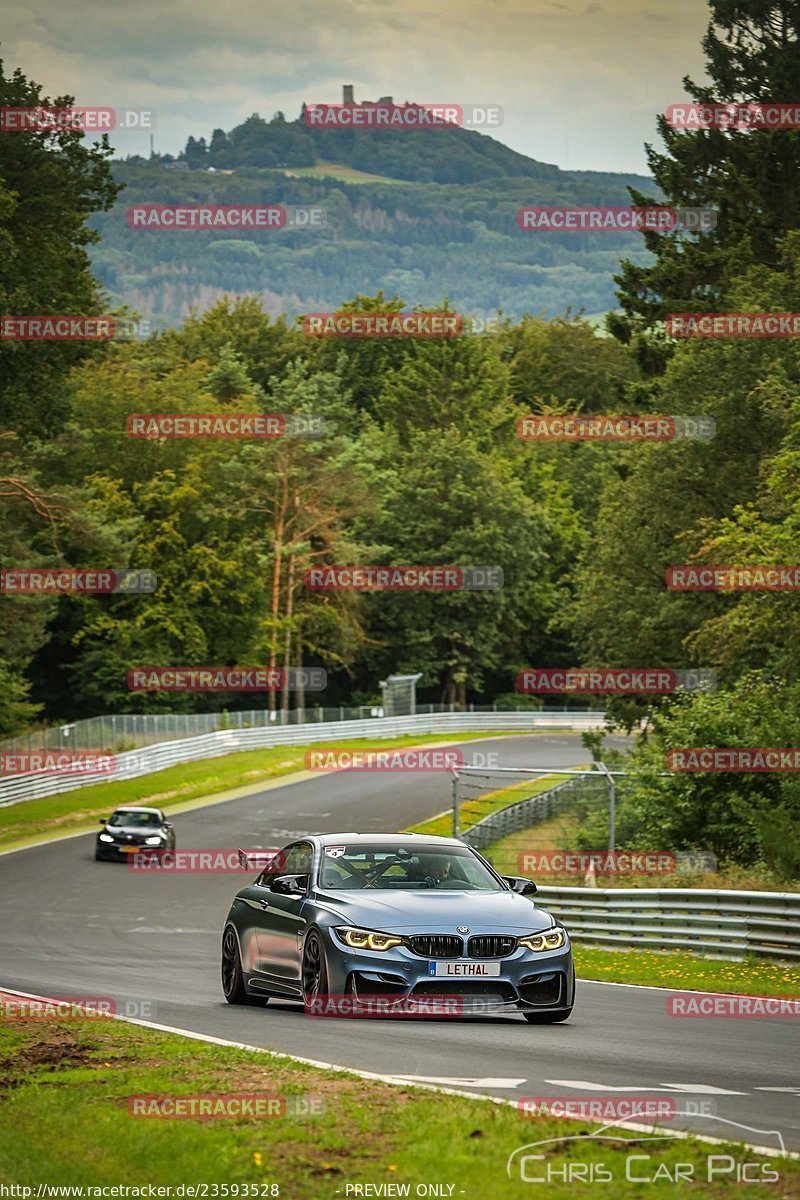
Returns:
(548, 1018)
(232, 976)
(314, 970)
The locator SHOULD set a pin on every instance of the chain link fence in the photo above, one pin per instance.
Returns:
(112, 734)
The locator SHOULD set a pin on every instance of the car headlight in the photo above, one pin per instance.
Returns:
(152, 841)
(105, 837)
(367, 939)
(551, 939)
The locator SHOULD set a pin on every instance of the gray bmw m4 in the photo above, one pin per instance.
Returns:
(403, 917)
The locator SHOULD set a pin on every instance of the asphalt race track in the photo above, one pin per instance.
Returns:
(73, 927)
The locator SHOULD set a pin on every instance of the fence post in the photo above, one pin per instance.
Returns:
(456, 822)
(612, 806)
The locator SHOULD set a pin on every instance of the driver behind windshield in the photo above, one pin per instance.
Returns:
(388, 867)
(432, 869)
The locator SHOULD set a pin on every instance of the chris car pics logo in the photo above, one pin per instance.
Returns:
(637, 1156)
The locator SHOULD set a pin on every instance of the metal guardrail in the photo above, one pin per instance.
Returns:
(116, 732)
(717, 923)
(523, 815)
(17, 788)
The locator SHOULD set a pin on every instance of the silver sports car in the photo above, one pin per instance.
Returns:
(403, 917)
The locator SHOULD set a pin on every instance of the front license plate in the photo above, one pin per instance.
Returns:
(131, 849)
(464, 970)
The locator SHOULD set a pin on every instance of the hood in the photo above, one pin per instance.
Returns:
(430, 911)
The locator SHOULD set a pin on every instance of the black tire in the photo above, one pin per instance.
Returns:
(548, 1018)
(314, 970)
(232, 978)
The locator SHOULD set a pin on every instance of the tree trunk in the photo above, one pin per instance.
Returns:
(280, 517)
(287, 638)
(300, 691)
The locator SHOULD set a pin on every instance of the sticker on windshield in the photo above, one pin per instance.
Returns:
(334, 851)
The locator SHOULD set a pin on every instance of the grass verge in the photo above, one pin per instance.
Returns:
(81, 809)
(65, 1120)
(472, 811)
(681, 969)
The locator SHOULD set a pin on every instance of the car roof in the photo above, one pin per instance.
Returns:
(397, 839)
(133, 808)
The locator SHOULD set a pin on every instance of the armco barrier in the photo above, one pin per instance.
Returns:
(524, 814)
(719, 923)
(129, 765)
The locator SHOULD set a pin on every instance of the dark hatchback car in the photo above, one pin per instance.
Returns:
(133, 829)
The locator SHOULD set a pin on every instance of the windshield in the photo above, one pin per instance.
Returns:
(393, 868)
(135, 820)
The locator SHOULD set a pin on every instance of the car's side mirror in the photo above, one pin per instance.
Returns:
(525, 887)
(289, 885)
(103, 821)
(168, 825)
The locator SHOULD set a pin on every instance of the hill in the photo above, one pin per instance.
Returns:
(418, 238)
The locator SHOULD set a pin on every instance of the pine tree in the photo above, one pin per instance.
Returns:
(752, 178)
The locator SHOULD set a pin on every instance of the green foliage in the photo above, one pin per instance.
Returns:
(738, 816)
(50, 183)
(459, 239)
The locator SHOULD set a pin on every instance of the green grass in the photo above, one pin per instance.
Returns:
(347, 174)
(472, 811)
(65, 1121)
(681, 969)
(81, 809)
(552, 834)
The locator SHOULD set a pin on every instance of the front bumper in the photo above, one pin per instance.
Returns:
(527, 981)
(121, 852)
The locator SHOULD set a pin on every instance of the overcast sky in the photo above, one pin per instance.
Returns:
(580, 83)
